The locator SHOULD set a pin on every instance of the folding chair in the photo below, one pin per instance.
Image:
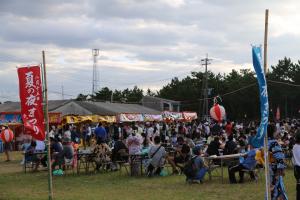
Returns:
(123, 163)
(69, 165)
(212, 167)
(249, 171)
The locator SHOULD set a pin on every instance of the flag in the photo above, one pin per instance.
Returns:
(258, 140)
(31, 101)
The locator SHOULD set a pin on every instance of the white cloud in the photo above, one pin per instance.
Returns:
(143, 42)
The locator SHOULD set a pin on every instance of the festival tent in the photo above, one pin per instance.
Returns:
(10, 115)
(10, 112)
(79, 111)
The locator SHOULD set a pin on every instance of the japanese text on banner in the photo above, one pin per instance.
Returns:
(31, 101)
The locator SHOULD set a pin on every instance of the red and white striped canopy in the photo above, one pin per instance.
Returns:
(6, 135)
(217, 112)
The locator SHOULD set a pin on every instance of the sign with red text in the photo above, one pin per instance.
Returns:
(189, 116)
(151, 118)
(127, 117)
(31, 101)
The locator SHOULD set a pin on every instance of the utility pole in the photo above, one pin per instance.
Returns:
(95, 53)
(62, 92)
(205, 62)
(112, 96)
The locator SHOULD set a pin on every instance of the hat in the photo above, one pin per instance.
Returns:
(196, 149)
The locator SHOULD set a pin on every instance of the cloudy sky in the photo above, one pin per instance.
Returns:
(141, 42)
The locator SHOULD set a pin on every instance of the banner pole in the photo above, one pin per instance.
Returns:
(267, 170)
(46, 116)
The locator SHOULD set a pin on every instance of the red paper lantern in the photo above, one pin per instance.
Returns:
(6, 135)
(217, 112)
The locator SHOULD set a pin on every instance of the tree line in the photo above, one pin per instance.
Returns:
(237, 89)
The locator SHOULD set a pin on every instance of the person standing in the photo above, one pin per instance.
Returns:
(7, 147)
(88, 135)
(296, 161)
(100, 132)
(277, 165)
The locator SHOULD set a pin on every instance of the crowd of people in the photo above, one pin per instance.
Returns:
(182, 145)
(155, 139)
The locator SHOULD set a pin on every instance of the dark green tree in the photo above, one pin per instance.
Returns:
(103, 95)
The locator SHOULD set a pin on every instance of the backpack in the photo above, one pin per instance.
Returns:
(190, 168)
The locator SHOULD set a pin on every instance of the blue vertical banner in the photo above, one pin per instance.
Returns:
(258, 140)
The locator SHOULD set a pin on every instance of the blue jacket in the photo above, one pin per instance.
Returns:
(250, 162)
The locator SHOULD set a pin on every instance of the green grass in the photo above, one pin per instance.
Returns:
(14, 184)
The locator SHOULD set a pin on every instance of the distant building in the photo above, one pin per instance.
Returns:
(161, 104)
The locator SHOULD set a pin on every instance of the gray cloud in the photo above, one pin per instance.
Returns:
(140, 41)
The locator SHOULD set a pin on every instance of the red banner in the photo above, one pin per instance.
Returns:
(31, 101)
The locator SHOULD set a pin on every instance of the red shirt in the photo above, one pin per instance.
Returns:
(228, 129)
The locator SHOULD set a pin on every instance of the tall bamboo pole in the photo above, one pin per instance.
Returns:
(267, 172)
(46, 116)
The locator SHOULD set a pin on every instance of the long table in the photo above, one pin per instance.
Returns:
(222, 158)
(86, 159)
(30, 164)
(137, 159)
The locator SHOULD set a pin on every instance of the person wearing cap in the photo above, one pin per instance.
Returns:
(296, 161)
(195, 169)
(67, 152)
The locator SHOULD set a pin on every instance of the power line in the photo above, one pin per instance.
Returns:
(284, 83)
(208, 98)
(201, 99)
(56, 92)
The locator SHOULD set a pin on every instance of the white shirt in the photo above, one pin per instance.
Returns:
(207, 130)
(40, 145)
(89, 132)
(150, 132)
(296, 154)
(158, 129)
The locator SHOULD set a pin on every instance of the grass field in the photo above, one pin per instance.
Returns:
(14, 184)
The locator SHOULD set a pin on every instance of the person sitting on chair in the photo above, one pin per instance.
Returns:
(102, 152)
(119, 152)
(230, 146)
(30, 156)
(157, 155)
(182, 155)
(66, 155)
(247, 164)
